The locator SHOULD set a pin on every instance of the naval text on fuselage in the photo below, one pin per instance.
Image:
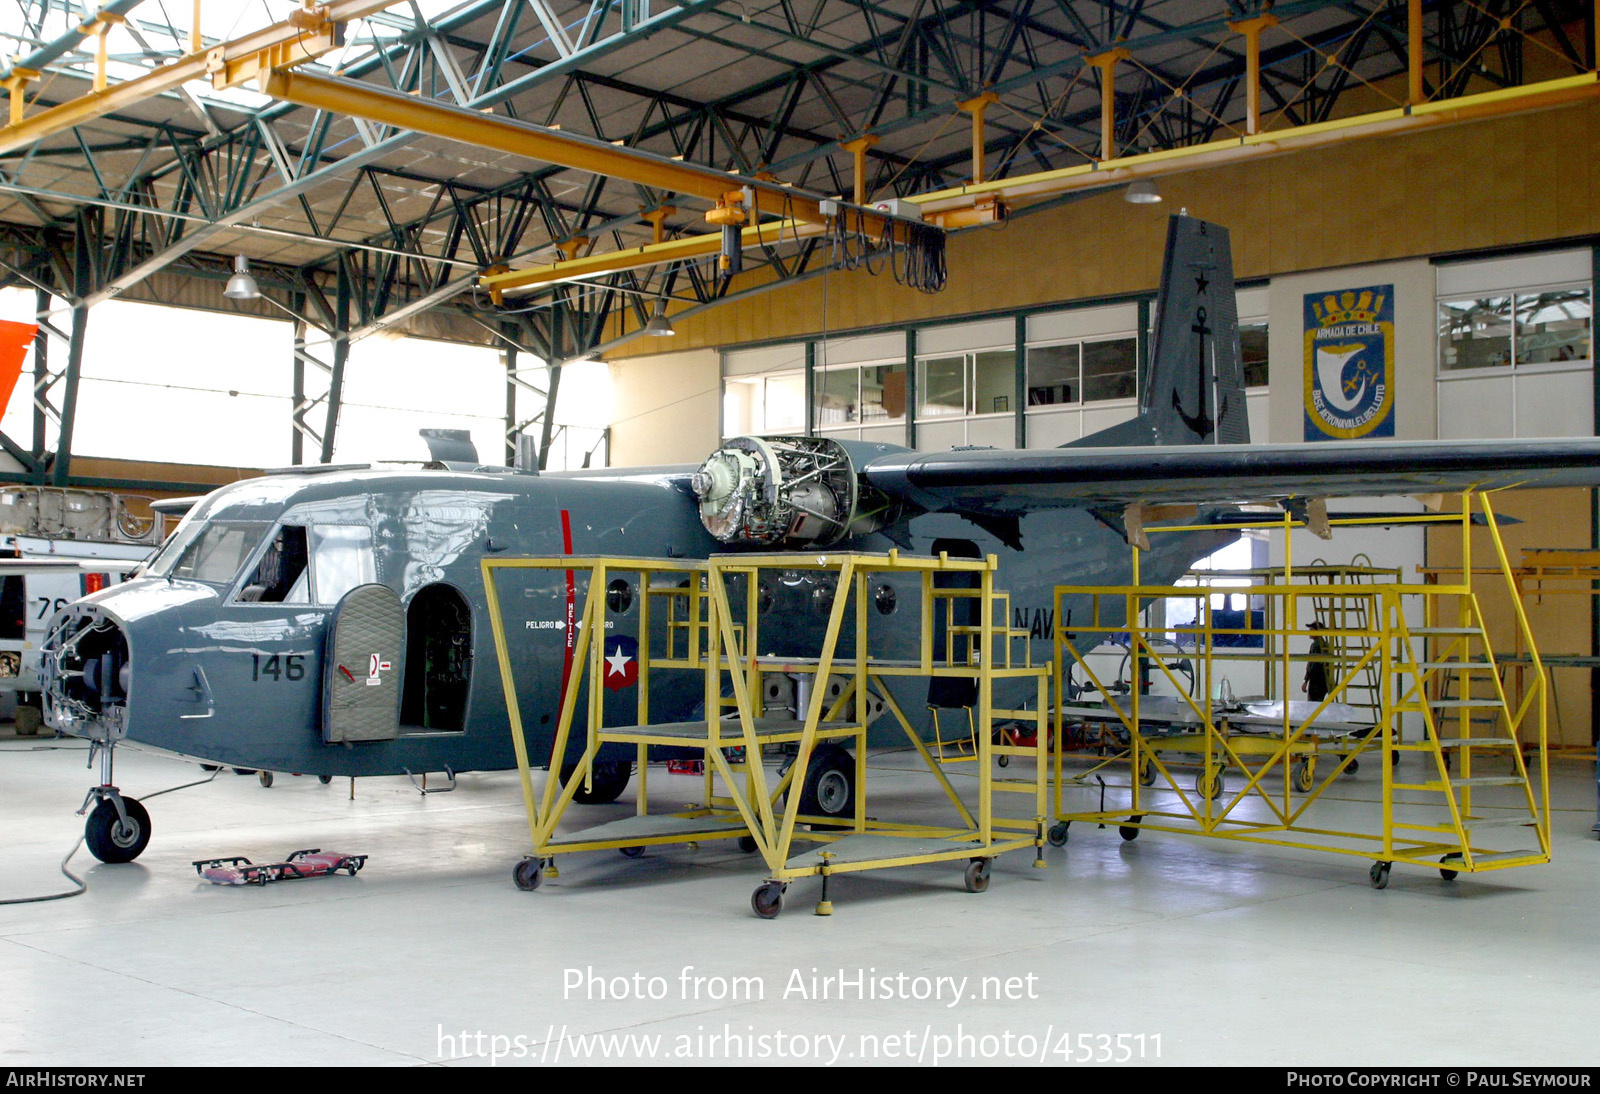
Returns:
(813, 984)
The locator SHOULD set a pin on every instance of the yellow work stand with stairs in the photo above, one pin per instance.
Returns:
(1475, 805)
(713, 632)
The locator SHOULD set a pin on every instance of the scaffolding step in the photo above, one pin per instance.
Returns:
(1465, 666)
(1476, 742)
(1490, 780)
(885, 849)
(1431, 632)
(1485, 701)
(1477, 823)
(1507, 858)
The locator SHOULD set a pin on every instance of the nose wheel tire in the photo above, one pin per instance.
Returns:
(265, 777)
(109, 839)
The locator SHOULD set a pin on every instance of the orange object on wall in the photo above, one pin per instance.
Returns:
(15, 338)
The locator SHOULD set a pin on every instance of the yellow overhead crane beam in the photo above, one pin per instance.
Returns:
(307, 34)
(1401, 120)
(769, 234)
(801, 213)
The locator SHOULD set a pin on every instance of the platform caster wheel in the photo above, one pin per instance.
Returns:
(1128, 832)
(1210, 791)
(1304, 775)
(632, 852)
(324, 779)
(1379, 875)
(527, 874)
(1355, 765)
(265, 778)
(1394, 759)
(1004, 761)
(1449, 875)
(767, 900)
(747, 844)
(977, 876)
(1058, 834)
(109, 839)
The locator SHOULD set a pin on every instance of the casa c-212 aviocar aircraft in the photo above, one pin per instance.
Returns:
(228, 645)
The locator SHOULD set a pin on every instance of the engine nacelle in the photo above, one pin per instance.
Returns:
(786, 491)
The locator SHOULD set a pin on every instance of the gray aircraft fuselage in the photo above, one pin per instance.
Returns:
(214, 675)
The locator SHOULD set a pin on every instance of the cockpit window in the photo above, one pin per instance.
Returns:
(216, 554)
(281, 576)
(341, 559)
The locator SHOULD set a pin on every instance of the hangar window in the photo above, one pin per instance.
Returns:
(861, 393)
(969, 383)
(1110, 369)
(764, 404)
(1525, 328)
(1253, 353)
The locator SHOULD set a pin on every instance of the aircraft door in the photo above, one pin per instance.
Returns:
(364, 667)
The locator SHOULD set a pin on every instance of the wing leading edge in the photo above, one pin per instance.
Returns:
(1012, 482)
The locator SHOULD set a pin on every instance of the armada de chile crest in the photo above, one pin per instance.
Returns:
(1349, 364)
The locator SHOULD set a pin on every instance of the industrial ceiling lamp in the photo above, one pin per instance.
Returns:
(1143, 192)
(241, 286)
(659, 325)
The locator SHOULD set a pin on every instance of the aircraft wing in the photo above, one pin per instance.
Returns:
(1002, 482)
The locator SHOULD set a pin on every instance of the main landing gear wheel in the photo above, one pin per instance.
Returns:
(29, 719)
(1058, 834)
(324, 779)
(1379, 875)
(977, 875)
(265, 777)
(767, 900)
(607, 784)
(830, 789)
(527, 874)
(1450, 875)
(111, 840)
(747, 844)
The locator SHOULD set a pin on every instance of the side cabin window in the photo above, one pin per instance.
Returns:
(281, 577)
(341, 559)
(315, 564)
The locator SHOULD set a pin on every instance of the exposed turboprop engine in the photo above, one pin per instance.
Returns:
(786, 491)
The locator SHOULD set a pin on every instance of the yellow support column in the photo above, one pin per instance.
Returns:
(1251, 29)
(1414, 94)
(858, 151)
(976, 107)
(1107, 62)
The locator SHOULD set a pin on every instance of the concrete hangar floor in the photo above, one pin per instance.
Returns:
(1193, 951)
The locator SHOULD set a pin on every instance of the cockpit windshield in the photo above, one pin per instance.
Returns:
(213, 552)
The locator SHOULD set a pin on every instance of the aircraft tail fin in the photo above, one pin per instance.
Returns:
(1192, 391)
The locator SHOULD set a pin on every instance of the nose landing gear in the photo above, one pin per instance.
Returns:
(118, 828)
